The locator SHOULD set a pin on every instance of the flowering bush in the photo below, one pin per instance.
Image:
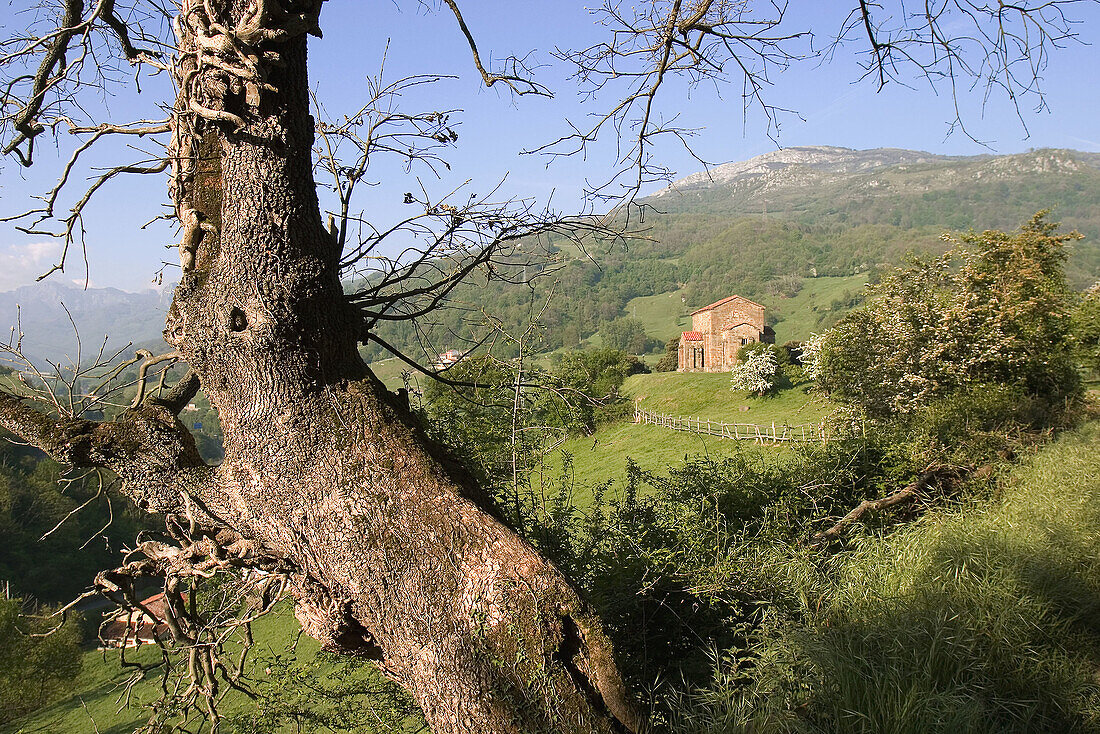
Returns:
(758, 372)
(992, 310)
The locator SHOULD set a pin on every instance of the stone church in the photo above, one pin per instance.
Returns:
(719, 331)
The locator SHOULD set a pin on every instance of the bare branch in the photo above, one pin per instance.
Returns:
(57, 55)
(699, 41)
(516, 75)
(907, 493)
(965, 45)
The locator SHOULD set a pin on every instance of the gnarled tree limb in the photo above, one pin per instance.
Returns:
(907, 493)
(148, 448)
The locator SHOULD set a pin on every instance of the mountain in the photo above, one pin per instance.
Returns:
(787, 163)
(42, 313)
(770, 228)
(903, 198)
(793, 170)
(775, 226)
(815, 186)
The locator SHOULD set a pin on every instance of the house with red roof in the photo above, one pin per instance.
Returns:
(131, 628)
(718, 332)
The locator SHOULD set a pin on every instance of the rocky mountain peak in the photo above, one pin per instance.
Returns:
(824, 159)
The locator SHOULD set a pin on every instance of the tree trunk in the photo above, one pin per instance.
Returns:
(397, 556)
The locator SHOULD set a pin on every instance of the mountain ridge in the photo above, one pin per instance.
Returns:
(759, 227)
(41, 314)
(828, 160)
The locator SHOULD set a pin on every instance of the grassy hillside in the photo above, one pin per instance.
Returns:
(665, 315)
(603, 456)
(820, 303)
(97, 703)
(390, 372)
(705, 243)
(976, 619)
(708, 395)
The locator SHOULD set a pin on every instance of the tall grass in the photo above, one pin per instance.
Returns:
(979, 619)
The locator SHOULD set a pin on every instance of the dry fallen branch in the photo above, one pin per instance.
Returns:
(907, 493)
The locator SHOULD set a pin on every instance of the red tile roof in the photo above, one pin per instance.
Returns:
(724, 300)
(131, 628)
(693, 336)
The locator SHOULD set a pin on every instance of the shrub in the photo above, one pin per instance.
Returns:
(670, 360)
(625, 334)
(794, 352)
(757, 371)
(976, 621)
(993, 310)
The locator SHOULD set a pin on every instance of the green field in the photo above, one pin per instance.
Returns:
(664, 315)
(811, 310)
(708, 396)
(603, 456)
(98, 700)
(390, 372)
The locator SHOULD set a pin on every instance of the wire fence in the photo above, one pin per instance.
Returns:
(776, 433)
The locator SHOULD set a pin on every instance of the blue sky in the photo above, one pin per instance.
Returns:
(495, 128)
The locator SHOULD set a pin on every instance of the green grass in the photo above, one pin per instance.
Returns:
(603, 456)
(977, 619)
(390, 372)
(664, 315)
(95, 702)
(708, 395)
(802, 315)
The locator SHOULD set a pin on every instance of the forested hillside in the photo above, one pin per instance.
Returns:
(768, 227)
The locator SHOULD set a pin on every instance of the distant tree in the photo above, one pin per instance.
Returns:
(475, 418)
(670, 360)
(34, 669)
(992, 310)
(781, 354)
(597, 374)
(478, 416)
(570, 336)
(42, 529)
(625, 334)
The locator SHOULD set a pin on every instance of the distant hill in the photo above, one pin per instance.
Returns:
(794, 163)
(825, 182)
(96, 312)
(769, 228)
(835, 194)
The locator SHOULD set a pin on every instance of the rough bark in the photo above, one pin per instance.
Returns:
(397, 557)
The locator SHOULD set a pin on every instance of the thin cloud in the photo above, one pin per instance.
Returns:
(21, 264)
